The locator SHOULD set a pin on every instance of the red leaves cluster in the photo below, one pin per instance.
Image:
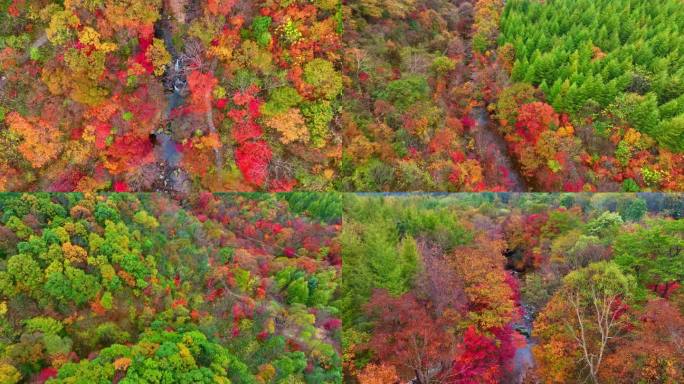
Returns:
(201, 85)
(332, 324)
(253, 155)
(477, 363)
(252, 159)
(245, 126)
(482, 358)
(120, 186)
(102, 130)
(127, 152)
(144, 41)
(534, 118)
(14, 8)
(405, 334)
(46, 374)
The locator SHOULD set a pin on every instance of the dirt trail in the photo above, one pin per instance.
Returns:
(493, 152)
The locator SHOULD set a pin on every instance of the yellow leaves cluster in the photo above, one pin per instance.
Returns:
(89, 36)
(221, 52)
(396, 8)
(81, 64)
(80, 152)
(79, 79)
(132, 14)
(186, 355)
(59, 29)
(566, 131)
(254, 57)
(159, 56)
(9, 374)
(270, 326)
(55, 79)
(290, 125)
(327, 5)
(210, 141)
(41, 140)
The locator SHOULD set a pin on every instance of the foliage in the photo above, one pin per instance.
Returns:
(141, 288)
(107, 95)
(547, 287)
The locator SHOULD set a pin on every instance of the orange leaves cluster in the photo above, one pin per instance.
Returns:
(654, 353)
(198, 153)
(290, 125)
(74, 253)
(481, 269)
(42, 141)
(557, 356)
(378, 374)
(122, 363)
(219, 7)
(467, 175)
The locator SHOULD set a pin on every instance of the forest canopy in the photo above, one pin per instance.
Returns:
(169, 95)
(127, 288)
(325, 95)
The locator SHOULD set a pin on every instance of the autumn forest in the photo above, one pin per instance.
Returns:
(127, 288)
(341, 191)
(321, 95)
(513, 288)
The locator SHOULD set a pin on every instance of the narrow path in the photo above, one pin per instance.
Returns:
(493, 152)
(490, 146)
